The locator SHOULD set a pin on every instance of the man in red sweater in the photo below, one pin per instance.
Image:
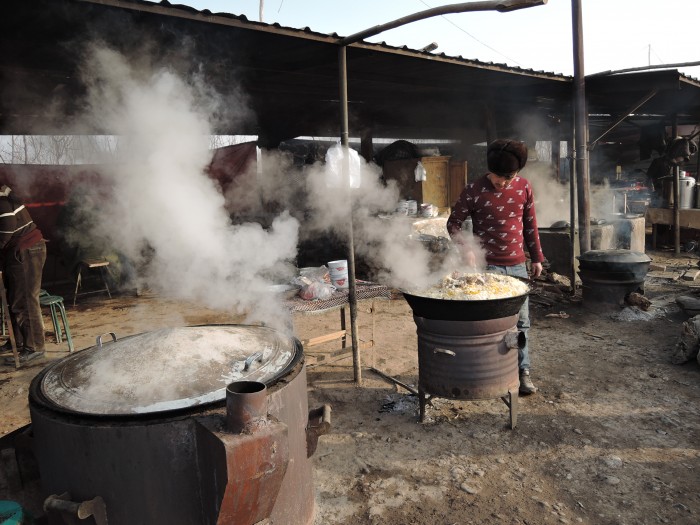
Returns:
(502, 209)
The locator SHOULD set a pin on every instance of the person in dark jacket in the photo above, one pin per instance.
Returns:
(502, 207)
(678, 151)
(22, 254)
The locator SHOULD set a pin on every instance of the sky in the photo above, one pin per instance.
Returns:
(617, 34)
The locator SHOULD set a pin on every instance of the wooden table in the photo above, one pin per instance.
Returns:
(689, 218)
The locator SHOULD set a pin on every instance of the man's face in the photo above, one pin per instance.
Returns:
(500, 182)
(678, 160)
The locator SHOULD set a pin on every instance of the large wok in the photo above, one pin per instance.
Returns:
(455, 310)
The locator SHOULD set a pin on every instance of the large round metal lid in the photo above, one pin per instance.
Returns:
(165, 370)
(614, 256)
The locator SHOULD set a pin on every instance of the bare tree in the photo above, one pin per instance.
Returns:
(78, 149)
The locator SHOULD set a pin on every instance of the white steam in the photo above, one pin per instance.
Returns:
(186, 240)
(163, 213)
(552, 199)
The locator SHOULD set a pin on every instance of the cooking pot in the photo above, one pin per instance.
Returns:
(609, 275)
(458, 310)
(560, 225)
(611, 261)
(686, 189)
(149, 423)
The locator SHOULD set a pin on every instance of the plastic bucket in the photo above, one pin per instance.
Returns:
(338, 271)
(412, 208)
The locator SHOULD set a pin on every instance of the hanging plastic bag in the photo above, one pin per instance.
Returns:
(336, 167)
(420, 172)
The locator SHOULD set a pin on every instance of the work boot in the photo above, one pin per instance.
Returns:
(6, 348)
(526, 386)
(24, 356)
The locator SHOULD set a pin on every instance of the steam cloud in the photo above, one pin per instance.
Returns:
(552, 199)
(325, 203)
(166, 216)
(163, 213)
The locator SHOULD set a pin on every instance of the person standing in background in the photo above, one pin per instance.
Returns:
(678, 151)
(23, 254)
(502, 207)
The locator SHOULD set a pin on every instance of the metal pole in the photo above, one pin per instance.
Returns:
(494, 5)
(352, 285)
(572, 220)
(676, 194)
(581, 124)
(646, 68)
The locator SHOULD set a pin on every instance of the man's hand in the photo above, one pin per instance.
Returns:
(468, 257)
(536, 269)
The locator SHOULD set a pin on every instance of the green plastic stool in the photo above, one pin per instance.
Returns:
(12, 513)
(55, 303)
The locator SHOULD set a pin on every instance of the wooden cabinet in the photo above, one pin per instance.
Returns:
(444, 180)
(458, 180)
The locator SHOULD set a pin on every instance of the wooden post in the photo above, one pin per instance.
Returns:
(366, 148)
(6, 310)
(556, 152)
(676, 194)
(352, 284)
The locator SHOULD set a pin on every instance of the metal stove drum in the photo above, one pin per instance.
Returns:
(468, 350)
(206, 425)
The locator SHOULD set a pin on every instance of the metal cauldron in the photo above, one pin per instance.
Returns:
(456, 310)
(608, 276)
(204, 424)
(468, 350)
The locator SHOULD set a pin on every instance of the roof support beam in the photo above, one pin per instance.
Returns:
(494, 5)
(646, 98)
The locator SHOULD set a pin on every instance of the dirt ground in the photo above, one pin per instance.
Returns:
(612, 436)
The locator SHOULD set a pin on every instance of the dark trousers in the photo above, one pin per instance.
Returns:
(23, 270)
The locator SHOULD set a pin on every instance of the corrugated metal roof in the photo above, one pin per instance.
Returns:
(287, 78)
(222, 17)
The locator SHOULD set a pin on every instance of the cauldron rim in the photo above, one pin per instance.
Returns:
(40, 400)
(616, 256)
(464, 310)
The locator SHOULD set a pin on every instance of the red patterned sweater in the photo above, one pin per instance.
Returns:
(502, 220)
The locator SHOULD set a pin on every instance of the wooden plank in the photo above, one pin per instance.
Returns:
(687, 218)
(332, 336)
(320, 356)
(690, 275)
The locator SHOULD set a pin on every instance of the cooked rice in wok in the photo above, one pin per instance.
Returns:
(475, 287)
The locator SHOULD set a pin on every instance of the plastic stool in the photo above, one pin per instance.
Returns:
(12, 513)
(56, 302)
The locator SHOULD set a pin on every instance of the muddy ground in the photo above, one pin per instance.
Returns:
(612, 436)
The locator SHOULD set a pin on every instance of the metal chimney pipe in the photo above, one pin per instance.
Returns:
(246, 406)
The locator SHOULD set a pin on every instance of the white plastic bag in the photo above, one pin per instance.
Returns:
(316, 290)
(335, 167)
(420, 172)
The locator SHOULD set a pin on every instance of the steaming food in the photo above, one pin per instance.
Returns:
(461, 286)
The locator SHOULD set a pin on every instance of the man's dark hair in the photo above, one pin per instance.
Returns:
(505, 157)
